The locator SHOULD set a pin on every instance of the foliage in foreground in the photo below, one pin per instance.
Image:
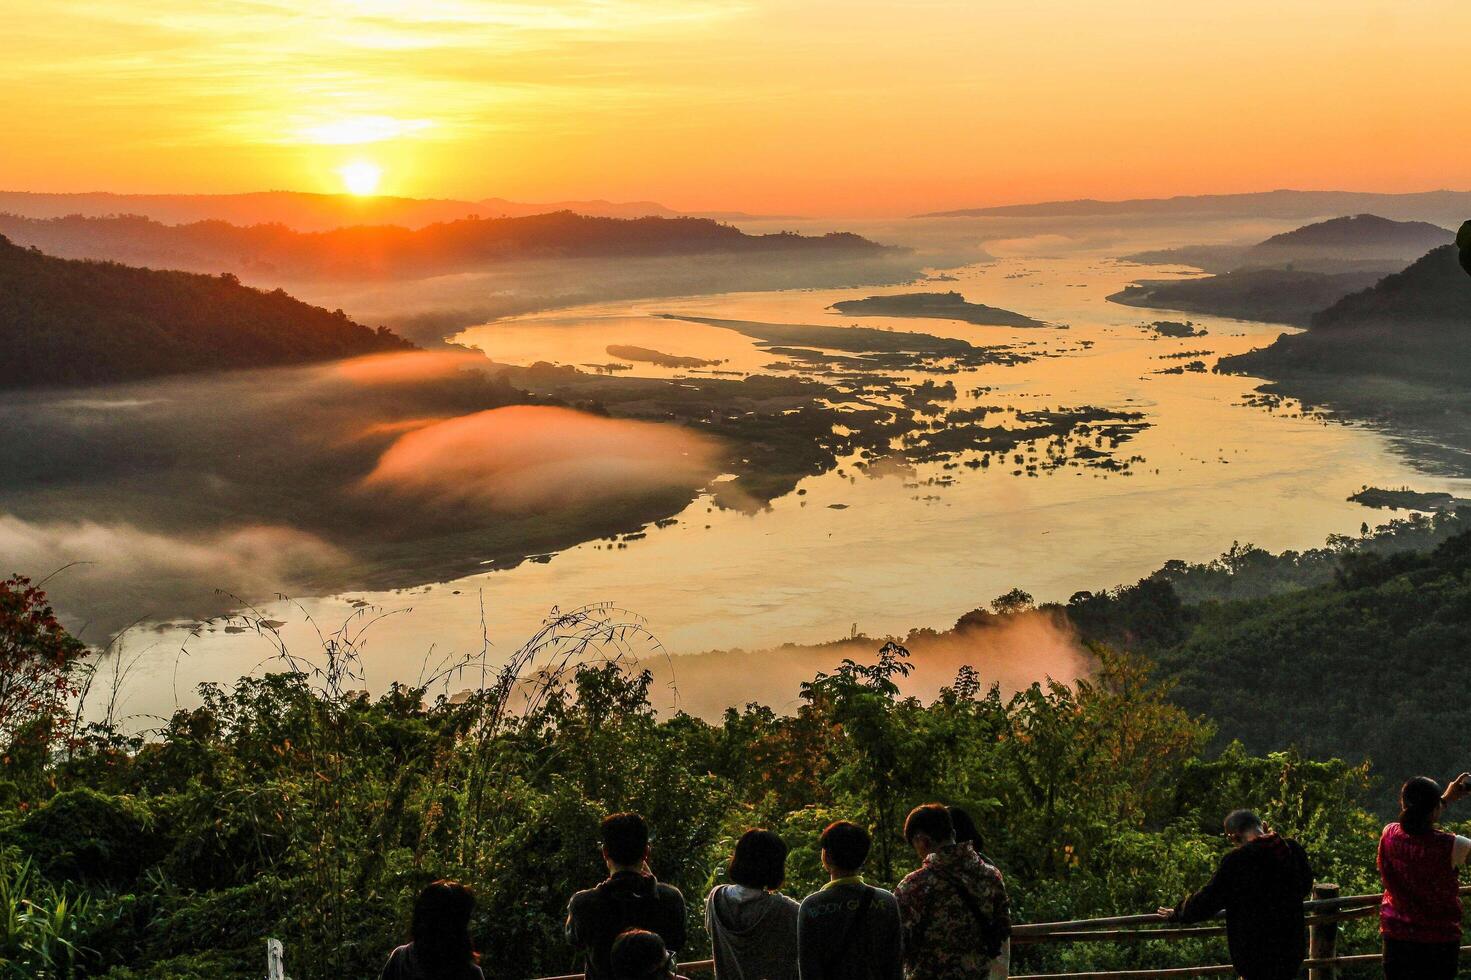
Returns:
(1360, 657)
(292, 806)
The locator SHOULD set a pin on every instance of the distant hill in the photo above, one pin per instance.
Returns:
(1338, 244)
(1289, 277)
(1397, 354)
(1357, 230)
(67, 322)
(1272, 295)
(1345, 244)
(1413, 326)
(1449, 206)
(373, 251)
(319, 212)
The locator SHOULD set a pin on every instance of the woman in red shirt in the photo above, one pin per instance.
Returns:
(1420, 918)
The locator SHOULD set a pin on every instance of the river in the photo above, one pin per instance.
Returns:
(890, 551)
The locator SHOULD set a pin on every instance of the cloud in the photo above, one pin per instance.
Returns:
(528, 459)
(125, 573)
(358, 129)
(1012, 651)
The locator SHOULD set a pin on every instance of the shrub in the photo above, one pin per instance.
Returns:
(82, 835)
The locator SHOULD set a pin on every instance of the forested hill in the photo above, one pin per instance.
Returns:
(1364, 229)
(1434, 291)
(1367, 665)
(372, 251)
(65, 322)
(1410, 326)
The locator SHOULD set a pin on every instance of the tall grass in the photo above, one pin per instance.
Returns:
(347, 839)
(40, 926)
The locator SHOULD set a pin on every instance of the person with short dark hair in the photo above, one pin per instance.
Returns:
(848, 929)
(439, 946)
(638, 954)
(629, 898)
(1420, 916)
(953, 909)
(1261, 884)
(753, 928)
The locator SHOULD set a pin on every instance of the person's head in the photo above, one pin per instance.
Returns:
(638, 954)
(625, 840)
(1420, 805)
(928, 827)
(759, 860)
(1242, 826)
(844, 848)
(966, 831)
(441, 927)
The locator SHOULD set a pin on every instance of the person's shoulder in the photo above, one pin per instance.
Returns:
(581, 899)
(395, 967)
(1232, 858)
(882, 896)
(886, 904)
(818, 901)
(986, 872)
(669, 893)
(785, 901)
(912, 880)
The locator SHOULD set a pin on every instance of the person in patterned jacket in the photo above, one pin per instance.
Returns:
(953, 909)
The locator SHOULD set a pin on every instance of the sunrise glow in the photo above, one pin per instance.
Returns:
(360, 177)
(849, 109)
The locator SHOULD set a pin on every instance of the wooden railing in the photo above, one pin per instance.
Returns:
(1325, 910)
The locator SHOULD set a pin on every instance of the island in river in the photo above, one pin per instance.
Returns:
(629, 352)
(941, 306)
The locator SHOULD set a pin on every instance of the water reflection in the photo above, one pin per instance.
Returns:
(918, 530)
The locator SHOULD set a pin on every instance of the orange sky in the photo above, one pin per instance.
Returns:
(792, 106)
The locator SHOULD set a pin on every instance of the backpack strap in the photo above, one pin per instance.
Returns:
(842, 947)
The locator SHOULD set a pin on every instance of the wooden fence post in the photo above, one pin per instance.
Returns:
(1323, 937)
(275, 960)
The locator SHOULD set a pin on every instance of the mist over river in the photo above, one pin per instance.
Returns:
(1187, 463)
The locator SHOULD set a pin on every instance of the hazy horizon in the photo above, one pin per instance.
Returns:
(736, 105)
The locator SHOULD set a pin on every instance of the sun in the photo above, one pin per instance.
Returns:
(360, 177)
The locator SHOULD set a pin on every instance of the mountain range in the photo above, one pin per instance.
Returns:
(1442, 205)
(319, 212)
(374, 251)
